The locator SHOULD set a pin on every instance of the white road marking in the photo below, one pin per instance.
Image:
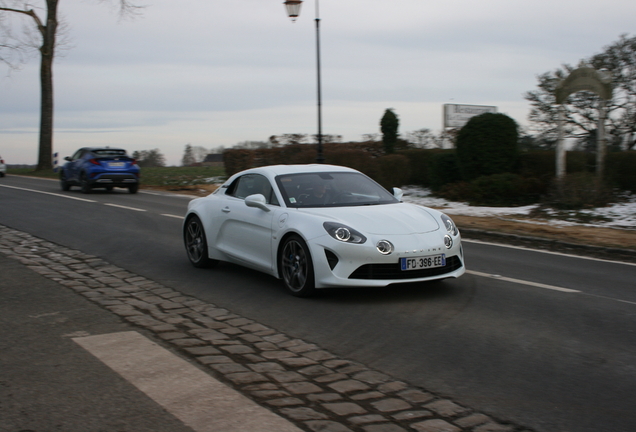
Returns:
(48, 193)
(194, 397)
(548, 252)
(522, 282)
(125, 207)
(610, 298)
(172, 216)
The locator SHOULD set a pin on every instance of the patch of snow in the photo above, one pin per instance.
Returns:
(620, 215)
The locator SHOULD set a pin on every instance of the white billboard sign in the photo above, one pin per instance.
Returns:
(458, 115)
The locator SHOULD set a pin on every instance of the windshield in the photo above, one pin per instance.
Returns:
(109, 152)
(331, 189)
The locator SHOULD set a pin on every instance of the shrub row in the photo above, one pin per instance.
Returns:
(388, 170)
(439, 170)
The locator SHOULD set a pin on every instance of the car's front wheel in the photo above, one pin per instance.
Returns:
(196, 244)
(297, 269)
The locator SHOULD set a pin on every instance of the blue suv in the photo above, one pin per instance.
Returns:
(100, 167)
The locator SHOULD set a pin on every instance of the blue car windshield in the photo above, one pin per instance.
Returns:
(331, 189)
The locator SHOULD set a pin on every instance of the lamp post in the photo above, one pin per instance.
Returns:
(293, 10)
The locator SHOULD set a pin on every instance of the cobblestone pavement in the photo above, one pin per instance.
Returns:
(296, 379)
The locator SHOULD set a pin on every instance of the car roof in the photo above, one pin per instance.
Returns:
(102, 148)
(277, 170)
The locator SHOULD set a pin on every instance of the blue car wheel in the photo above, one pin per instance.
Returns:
(64, 182)
(84, 184)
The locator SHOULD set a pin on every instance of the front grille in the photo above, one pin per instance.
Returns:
(393, 271)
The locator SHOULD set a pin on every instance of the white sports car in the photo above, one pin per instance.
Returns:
(319, 226)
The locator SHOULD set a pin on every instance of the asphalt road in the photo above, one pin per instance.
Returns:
(544, 340)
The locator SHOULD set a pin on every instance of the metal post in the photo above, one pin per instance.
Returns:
(600, 142)
(560, 150)
(320, 158)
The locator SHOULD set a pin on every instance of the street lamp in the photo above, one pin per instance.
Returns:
(293, 10)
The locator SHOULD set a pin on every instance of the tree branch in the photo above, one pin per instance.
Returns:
(30, 13)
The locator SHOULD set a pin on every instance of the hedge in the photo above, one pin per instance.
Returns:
(437, 168)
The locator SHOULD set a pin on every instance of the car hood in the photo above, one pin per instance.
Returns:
(389, 219)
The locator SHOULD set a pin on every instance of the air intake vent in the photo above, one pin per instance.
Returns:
(332, 259)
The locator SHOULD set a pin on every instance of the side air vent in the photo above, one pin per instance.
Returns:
(332, 259)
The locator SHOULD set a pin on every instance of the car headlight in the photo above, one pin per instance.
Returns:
(344, 233)
(449, 224)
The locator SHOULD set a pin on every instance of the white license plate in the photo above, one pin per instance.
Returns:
(116, 164)
(419, 263)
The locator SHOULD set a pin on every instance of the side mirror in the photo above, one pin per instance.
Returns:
(258, 201)
(68, 158)
(397, 192)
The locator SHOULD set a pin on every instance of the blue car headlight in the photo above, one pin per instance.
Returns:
(449, 224)
(344, 233)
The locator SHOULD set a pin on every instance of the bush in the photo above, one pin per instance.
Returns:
(487, 145)
(420, 162)
(460, 191)
(620, 170)
(579, 161)
(579, 191)
(539, 164)
(352, 158)
(505, 189)
(394, 171)
(237, 160)
(443, 169)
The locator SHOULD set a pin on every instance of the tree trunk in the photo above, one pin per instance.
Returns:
(47, 51)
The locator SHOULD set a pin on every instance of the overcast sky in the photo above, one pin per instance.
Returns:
(215, 73)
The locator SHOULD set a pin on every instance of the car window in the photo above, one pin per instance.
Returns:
(110, 152)
(78, 154)
(251, 184)
(335, 189)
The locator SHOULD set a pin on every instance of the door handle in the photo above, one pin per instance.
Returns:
(226, 210)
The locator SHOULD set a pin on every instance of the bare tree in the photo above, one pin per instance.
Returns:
(149, 158)
(247, 145)
(188, 156)
(327, 138)
(42, 33)
(293, 138)
(371, 137)
(581, 109)
(200, 153)
(424, 138)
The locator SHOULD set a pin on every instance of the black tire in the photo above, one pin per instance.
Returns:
(84, 185)
(133, 188)
(196, 244)
(65, 184)
(296, 267)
